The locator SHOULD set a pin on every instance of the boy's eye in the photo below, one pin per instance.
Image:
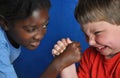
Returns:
(87, 38)
(97, 32)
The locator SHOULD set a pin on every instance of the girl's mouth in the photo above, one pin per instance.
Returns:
(35, 44)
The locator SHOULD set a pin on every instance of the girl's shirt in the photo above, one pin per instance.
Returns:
(8, 54)
(95, 65)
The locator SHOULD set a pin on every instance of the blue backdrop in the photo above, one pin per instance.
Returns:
(62, 24)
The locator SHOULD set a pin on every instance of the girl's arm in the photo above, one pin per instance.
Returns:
(65, 58)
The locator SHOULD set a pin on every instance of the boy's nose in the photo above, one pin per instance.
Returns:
(91, 41)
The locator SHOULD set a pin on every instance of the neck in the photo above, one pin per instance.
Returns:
(14, 44)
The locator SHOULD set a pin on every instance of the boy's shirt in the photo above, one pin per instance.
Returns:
(8, 54)
(95, 65)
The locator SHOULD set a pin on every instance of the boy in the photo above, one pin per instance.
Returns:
(100, 21)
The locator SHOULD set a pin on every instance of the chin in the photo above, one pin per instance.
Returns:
(32, 48)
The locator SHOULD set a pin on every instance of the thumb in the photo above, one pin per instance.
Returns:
(69, 41)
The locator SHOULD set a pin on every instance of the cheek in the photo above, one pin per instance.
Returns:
(115, 43)
(44, 31)
(23, 38)
(109, 41)
(103, 40)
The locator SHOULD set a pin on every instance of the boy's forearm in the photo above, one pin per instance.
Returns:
(69, 72)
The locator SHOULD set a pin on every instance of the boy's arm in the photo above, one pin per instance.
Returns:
(70, 55)
(69, 72)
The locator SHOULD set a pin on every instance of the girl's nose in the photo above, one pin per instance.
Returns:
(39, 35)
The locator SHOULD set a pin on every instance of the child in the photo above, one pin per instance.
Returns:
(100, 21)
(23, 23)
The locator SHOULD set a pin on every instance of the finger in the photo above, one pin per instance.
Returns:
(57, 47)
(61, 45)
(54, 52)
(69, 41)
(64, 41)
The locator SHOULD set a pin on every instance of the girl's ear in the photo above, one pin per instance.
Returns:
(3, 23)
(5, 27)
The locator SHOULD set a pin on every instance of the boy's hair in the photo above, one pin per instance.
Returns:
(98, 10)
(21, 9)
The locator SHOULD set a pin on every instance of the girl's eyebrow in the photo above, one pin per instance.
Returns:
(29, 26)
(45, 23)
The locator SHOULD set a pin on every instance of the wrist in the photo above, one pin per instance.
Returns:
(58, 65)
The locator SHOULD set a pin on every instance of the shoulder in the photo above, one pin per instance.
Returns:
(90, 54)
(3, 38)
(90, 51)
(4, 46)
(2, 35)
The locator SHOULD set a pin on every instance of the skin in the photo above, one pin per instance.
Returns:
(69, 56)
(29, 32)
(62, 45)
(104, 37)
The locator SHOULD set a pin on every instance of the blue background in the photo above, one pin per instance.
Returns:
(62, 24)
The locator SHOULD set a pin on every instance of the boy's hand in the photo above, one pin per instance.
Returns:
(60, 46)
(67, 52)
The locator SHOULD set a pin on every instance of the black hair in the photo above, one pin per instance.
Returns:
(21, 9)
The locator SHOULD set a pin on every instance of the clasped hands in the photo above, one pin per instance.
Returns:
(67, 50)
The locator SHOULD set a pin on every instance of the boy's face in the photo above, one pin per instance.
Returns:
(105, 37)
(30, 31)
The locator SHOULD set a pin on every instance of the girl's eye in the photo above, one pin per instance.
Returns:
(44, 26)
(30, 29)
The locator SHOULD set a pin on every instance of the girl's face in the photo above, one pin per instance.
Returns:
(30, 31)
(105, 37)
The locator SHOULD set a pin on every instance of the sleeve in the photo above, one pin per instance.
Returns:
(6, 68)
(85, 64)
